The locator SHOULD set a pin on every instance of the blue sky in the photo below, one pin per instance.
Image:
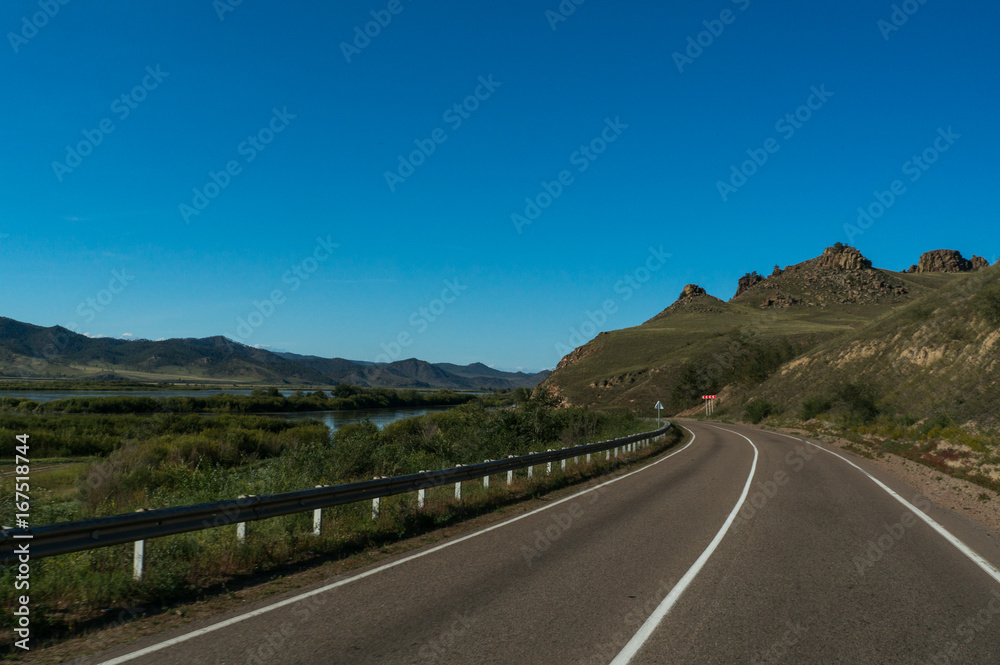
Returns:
(190, 168)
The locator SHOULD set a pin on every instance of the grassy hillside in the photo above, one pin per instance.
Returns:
(940, 355)
(924, 342)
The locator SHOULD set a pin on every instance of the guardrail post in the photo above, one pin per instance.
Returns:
(510, 474)
(548, 465)
(317, 518)
(458, 488)
(376, 503)
(241, 527)
(588, 458)
(139, 560)
(139, 557)
(562, 464)
(420, 495)
(486, 478)
(607, 454)
(531, 468)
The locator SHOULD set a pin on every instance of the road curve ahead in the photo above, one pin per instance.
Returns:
(740, 546)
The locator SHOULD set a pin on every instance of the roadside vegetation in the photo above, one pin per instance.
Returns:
(861, 413)
(101, 464)
(261, 400)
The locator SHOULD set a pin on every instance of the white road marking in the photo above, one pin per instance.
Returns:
(987, 567)
(646, 630)
(288, 601)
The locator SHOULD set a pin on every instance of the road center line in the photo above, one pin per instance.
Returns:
(288, 601)
(647, 628)
(987, 567)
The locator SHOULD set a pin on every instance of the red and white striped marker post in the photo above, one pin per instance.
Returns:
(709, 403)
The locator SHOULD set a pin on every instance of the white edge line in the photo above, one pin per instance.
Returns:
(647, 628)
(976, 558)
(288, 601)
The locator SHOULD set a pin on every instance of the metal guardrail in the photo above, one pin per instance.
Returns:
(65, 537)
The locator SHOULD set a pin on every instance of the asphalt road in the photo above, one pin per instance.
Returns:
(742, 547)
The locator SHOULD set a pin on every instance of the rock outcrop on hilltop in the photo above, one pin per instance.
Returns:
(780, 300)
(840, 275)
(843, 257)
(748, 280)
(696, 299)
(948, 260)
(693, 299)
(690, 291)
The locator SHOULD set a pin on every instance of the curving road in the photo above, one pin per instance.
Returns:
(738, 546)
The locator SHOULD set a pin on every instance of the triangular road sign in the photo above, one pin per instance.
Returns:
(658, 405)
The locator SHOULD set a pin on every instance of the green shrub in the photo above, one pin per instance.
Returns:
(757, 410)
(860, 399)
(938, 421)
(813, 406)
(987, 302)
(692, 382)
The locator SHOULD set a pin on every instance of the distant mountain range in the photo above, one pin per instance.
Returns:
(30, 351)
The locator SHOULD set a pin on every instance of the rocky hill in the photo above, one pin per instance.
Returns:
(947, 260)
(841, 275)
(808, 324)
(938, 355)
